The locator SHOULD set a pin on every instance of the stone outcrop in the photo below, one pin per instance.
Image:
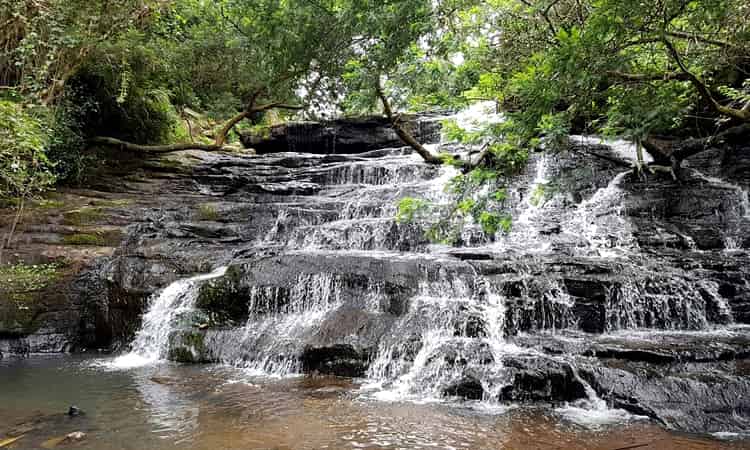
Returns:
(350, 135)
(322, 279)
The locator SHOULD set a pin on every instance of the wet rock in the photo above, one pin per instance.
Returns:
(540, 379)
(695, 398)
(355, 135)
(341, 360)
(225, 299)
(75, 411)
(468, 388)
(188, 346)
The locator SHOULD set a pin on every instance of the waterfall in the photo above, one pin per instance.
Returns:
(341, 280)
(272, 340)
(525, 231)
(624, 149)
(165, 310)
(453, 327)
(592, 411)
(599, 220)
(740, 211)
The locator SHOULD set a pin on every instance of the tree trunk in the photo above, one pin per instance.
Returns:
(222, 136)
(8, 239)
(217, 145)
(673, 153)
(155, 149)
(742, 114)
(405, 137)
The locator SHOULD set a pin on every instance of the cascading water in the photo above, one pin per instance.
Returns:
(525, 234)
(166, 308)
(271, 341)
(599, 220)
(572, 264)
(453, 327)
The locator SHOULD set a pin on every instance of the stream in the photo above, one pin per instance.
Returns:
(614, 314)
(170, 406)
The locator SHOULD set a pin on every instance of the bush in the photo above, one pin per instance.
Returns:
(25, 170)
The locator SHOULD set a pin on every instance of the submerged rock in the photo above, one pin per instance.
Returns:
(75, 411)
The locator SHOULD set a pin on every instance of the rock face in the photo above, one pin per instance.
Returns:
(608, 288)
(353, 135)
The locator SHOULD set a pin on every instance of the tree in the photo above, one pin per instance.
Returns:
(629, 68)
(25, 170)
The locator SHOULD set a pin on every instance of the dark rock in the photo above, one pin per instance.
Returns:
(468, 388)
(694, 399)
(224, 299)
(188, 346)
(541, 379)
(74, 411)
(356, 135)
(341, 360)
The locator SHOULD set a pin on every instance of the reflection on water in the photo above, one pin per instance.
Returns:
(211, 407)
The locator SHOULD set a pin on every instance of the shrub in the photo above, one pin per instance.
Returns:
(25, 170)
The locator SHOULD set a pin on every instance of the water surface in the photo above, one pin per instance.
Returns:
(168, 406)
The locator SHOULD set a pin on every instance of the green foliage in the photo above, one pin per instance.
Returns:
(84, 239)
(25, 170)
(491, 222)
(411, 209)
(83, 216)
(129, 69)
(538, 195)
(28, 277)
(207, 212)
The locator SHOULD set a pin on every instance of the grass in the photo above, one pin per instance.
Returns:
(83, 216)
(85, 239)
(28, 277)
(207, 212)
(103, 203)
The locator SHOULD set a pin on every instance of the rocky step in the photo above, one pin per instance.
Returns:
(360, 234)
(348, 135)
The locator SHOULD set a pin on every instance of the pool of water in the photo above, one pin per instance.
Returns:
(169, 406)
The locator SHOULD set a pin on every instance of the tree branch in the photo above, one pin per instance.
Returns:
(664, 151)
(585, 149)
(644, 77)
(407, 138)
(153, 149)
(699, 38)
(702, 89)
(221, 137)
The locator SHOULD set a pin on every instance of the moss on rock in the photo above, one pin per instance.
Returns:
(83, 216)
(188, 346)
(225, 299)
(84, 239)
(21, 286)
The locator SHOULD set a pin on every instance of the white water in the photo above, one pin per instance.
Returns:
(524, 233)
(624, 149)
(740, 211)
(272, 339)
(599, 220)
(592, 411)
(152, 340)
(457, 327)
